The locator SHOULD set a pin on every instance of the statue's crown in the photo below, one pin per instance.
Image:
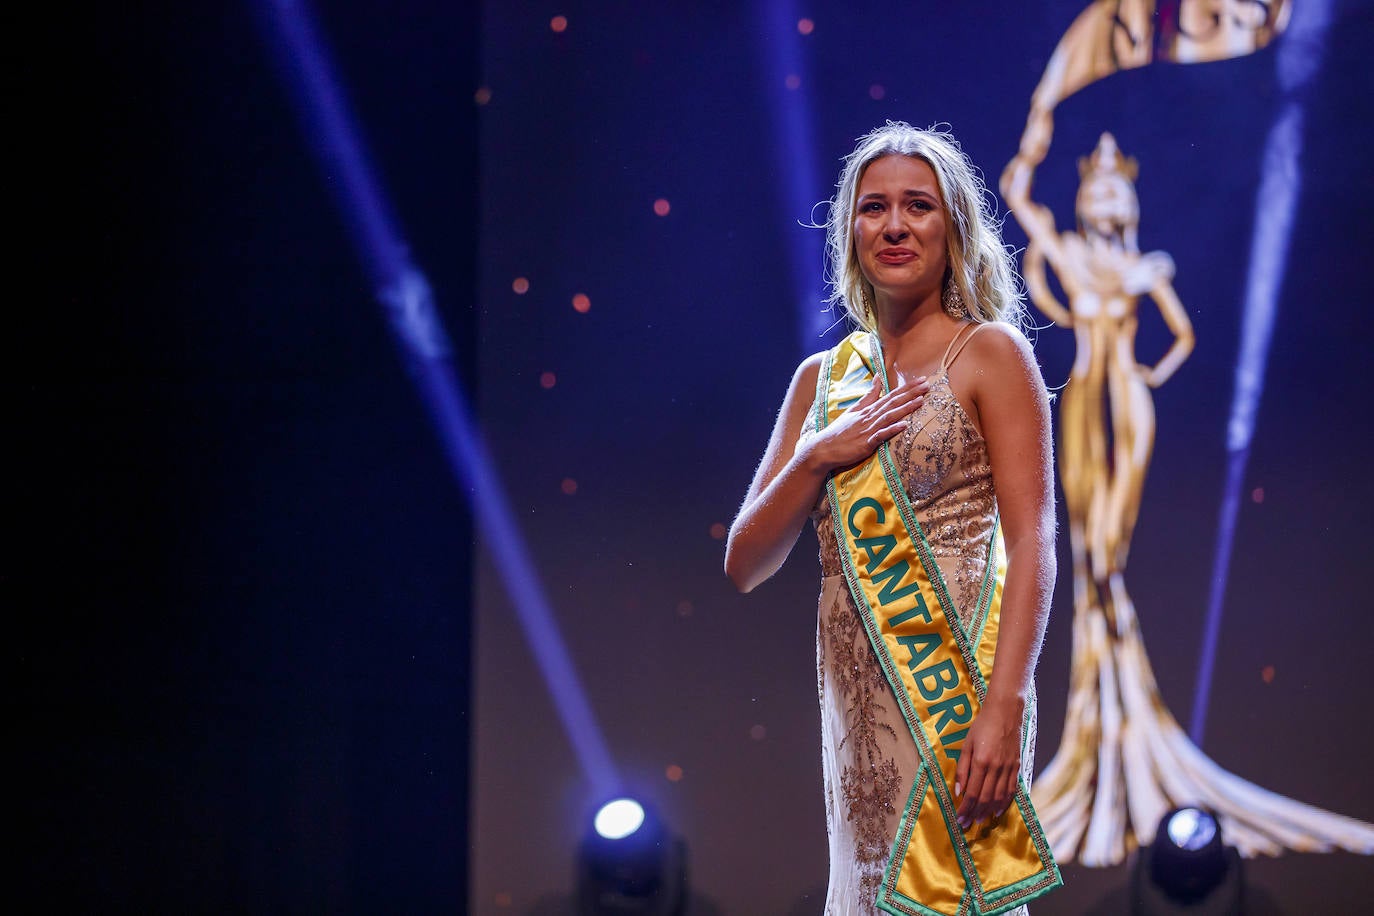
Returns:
(1107, 160)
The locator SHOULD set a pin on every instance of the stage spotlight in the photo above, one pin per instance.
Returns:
(629, 862)
(618, 819)
(1188, 869)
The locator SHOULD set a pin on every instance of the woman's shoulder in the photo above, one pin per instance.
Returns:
(809, 368)
(803, 386)
(996, 338)
(1000, 349)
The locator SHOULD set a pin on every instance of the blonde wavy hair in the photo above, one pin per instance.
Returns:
(979, 264)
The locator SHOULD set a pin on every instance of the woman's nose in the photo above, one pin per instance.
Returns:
(893, 230)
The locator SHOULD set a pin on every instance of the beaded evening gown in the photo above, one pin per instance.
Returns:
(868, 756)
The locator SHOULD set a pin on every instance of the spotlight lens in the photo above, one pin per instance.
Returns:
(1192, 829)
(618, 819)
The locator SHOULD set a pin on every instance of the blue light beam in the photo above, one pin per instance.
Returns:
(796, 164)
(406, 296)
(1298, 59)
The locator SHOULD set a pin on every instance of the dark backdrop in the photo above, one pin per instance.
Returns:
(240, 568)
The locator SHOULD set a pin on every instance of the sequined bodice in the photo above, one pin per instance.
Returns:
(944, 465)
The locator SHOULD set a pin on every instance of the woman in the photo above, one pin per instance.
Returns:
(907, 445)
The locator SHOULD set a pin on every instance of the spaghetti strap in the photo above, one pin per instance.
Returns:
(952, 352)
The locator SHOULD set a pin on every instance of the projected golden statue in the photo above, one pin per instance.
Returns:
(1123, 761)
(1103, 274)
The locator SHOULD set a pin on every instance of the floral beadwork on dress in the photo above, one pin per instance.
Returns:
(871, 782)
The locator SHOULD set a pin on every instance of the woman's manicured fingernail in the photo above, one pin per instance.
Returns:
(958, 788)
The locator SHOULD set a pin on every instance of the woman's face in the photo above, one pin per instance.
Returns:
(899, 228)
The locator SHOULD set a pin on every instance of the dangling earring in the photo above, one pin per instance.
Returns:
(866, 301)
(952, 301)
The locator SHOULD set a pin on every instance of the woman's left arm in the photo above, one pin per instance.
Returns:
(1013, 408)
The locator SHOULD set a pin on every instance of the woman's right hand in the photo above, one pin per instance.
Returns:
(857, 433)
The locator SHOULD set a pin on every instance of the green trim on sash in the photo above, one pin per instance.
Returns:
(985, 591)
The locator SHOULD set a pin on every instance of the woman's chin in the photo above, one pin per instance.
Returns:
(909, 294)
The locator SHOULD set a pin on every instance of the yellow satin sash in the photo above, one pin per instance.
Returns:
(938, 674)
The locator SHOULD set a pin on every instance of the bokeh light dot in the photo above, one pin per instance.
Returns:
(758, 733)
(568, 486)
(1257, 494)
(582, 303)
(482, 96)
(661, 206)
(876, 91)
(503, 900)
(559, 23)
(1267, 674)
(718, 531)
(674, 773)
(806, 26)
(547, 380)
(521, 286)
(792, 82)
(685, 608)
